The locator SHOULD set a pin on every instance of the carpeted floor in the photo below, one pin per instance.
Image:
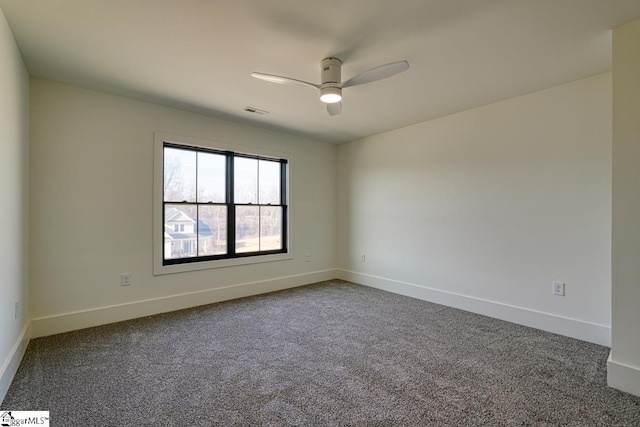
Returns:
(329, 354)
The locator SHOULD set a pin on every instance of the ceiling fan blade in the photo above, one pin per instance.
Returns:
(283, 80)
(378, 73)
(334, 109)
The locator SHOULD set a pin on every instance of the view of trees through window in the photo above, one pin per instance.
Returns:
(221, 204)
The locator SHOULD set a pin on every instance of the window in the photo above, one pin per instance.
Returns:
(219, 204)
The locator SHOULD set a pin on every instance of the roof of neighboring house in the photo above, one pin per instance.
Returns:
(203, 229)
(183, 236)
(176, 215)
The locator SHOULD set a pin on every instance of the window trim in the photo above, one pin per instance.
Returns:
(159, 268)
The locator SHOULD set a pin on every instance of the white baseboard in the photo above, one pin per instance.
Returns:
(10, 366)
(574, 328)
(623, 377)
(50, 325)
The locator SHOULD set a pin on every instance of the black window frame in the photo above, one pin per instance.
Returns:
(230, 205)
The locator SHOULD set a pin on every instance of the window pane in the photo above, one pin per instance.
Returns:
(269, 182)
(211, 178)
(247, 229)
(270, 228)
(245, 180)
(180, 239)
(179, 175)
(212, 230)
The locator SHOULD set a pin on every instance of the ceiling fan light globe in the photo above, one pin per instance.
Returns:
(330, 95)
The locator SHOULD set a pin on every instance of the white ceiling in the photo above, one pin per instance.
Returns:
(198, 54)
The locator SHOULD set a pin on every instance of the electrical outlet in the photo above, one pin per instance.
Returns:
(363, 258)
(307, 258)
(125, 279)
(17, 310)
(558, 288)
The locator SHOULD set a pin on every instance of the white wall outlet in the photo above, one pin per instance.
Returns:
(17, 310)
(307, 258)
(125, 279)
(363, 258)
(558, 288)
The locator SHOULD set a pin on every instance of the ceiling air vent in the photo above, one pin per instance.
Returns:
(254, 110)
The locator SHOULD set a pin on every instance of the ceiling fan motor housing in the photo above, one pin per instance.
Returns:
(331, 78)
(330, 71)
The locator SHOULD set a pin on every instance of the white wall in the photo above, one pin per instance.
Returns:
(624, 361)
(14, 148)
(484, 209)
(91, 203)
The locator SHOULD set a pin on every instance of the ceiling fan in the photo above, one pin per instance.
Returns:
(331, 86)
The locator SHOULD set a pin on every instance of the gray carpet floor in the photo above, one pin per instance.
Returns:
(329, 354)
